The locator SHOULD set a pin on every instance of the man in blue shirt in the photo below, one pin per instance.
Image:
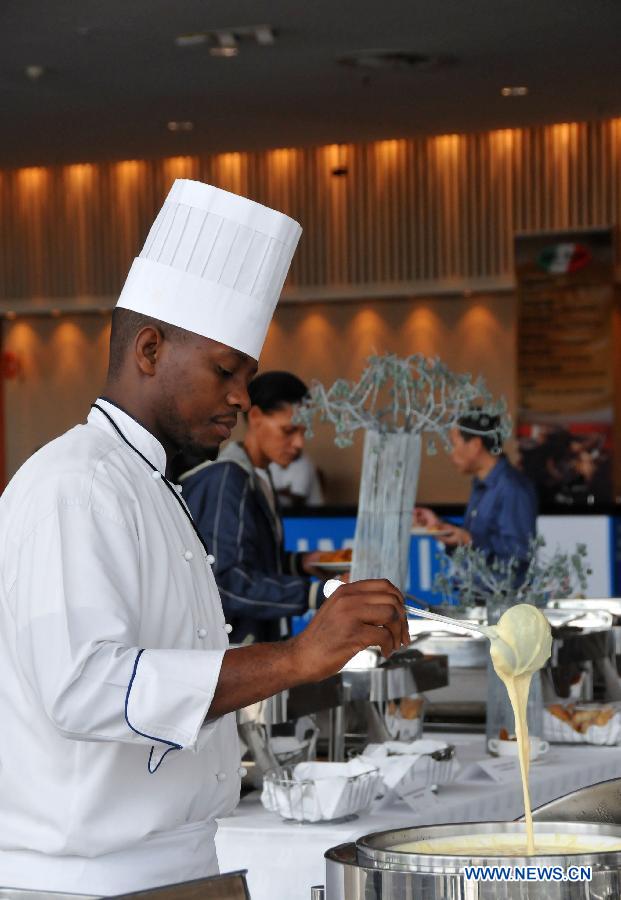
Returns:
(502, 510)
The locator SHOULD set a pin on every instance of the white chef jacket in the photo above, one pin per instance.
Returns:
(111, 641)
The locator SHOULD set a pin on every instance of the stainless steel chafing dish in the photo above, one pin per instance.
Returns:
(583, 646)
(367, 682)
(372, 869)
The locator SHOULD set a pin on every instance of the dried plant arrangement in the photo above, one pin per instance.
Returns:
(470, 576)
(401, 404)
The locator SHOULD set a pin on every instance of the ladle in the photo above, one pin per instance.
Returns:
(331, 586)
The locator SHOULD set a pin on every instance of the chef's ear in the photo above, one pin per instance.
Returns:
(147, 347)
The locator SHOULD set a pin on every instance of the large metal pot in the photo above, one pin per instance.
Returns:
(371, 869)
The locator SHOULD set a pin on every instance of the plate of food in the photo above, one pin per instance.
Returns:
(422, 531)
(334, 560)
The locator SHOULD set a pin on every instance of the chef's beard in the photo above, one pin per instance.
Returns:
(179, 434)
(189, 459)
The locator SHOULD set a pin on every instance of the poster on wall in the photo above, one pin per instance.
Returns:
(565, 364)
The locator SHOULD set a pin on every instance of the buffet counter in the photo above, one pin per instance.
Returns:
(284, 860)
(333, 528)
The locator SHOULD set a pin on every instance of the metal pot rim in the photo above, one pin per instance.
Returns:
(374, 850)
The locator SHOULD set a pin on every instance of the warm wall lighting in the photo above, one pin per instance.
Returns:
(387, 152)
(448, 144)
(229, 169)
(369, 330)
(515, 91)
(502, 140)
(79, 174)
(32, 178)
(128, 170)
(423, 331)
(281, 160)
(179, 167)
(562, 133)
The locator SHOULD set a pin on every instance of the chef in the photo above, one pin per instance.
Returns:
(117, 686)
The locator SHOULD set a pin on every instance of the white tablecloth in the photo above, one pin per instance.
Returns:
(284, 860)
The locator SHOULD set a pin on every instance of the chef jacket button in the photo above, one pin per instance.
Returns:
(155, 474)
(221, 776)
(242, 771)
(201, 632)
(178, 488)
(211, 559)
(228, 628)
(188, 555)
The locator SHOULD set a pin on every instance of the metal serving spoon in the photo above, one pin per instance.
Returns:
(333, 584)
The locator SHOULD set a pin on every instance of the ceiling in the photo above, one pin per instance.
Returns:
(114, 76)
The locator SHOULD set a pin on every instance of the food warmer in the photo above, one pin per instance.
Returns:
(371, 869)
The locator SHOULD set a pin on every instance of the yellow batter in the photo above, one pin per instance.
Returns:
(513, 845)
(521, 643)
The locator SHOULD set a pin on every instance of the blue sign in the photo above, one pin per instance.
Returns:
(336, 533)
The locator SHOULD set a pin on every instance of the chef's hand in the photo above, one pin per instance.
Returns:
(358, 615)
(425, 518)
(455, 536)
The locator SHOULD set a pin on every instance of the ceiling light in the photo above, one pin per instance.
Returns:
(34, 72)
(224, 41)
(519, 91)
(180, 126)
(392, 59)
(264, 35)
(223, 52)
(191, 40)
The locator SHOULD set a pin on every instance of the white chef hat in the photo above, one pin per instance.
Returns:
(213, 263)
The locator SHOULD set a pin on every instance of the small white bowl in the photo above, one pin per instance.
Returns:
(510, 748)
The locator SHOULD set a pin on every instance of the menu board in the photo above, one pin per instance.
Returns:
(565, 363)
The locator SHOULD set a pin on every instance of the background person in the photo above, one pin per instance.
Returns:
(235, 506)
(501, 514)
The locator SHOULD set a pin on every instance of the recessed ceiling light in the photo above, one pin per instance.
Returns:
(180, 126)
(191, 40)
(224, 52)
(34, 72)
(392, 59)
(518, 91)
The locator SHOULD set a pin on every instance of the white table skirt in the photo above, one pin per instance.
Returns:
(284, 860)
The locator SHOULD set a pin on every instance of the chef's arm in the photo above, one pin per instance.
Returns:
(356, 616)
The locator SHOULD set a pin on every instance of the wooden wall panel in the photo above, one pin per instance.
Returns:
(434, 211)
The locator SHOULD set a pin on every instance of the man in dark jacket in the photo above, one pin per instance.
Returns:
(235, 507)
